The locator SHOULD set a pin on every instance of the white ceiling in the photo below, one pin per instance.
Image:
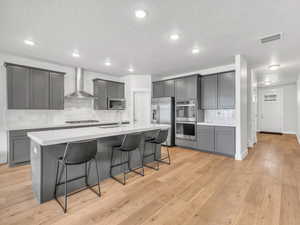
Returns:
(108, 28)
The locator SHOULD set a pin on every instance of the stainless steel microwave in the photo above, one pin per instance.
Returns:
(116, 104)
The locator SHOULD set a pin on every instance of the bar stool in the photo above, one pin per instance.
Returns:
(76, 153)
(158, 140)
(129, 144)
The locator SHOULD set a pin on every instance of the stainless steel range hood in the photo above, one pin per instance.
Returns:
(79, 86)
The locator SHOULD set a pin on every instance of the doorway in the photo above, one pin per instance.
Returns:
(271, 111)
(141, 107)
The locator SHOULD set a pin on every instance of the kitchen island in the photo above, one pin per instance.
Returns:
(47, 146)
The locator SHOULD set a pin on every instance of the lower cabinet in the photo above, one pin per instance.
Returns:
(206, 138)
(19, 150)
(217, 139)
(225, 140)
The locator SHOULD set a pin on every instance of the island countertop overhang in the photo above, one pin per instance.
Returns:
(53, 137)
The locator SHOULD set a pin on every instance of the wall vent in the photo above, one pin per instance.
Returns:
(270, 38)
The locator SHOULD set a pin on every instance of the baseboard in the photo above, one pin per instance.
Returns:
(298, 138)
(242, 156)
(289, 132)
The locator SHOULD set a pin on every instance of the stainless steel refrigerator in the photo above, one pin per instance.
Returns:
(163, 112)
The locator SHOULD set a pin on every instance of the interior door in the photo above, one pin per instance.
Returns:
(141, 108)
(271, 110)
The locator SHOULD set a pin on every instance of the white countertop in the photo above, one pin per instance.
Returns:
(54, 125)
(216, 124)
(52, 137)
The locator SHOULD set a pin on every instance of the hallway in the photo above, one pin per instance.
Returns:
(198, 188)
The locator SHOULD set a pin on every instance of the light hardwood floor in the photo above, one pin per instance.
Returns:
(198, 188)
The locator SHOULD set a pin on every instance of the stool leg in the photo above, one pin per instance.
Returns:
(98, 177)
(168, 157)
(56, 177)
(110, 171)
(66, 187)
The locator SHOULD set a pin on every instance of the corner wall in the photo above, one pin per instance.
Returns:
(298, 109)
(241, 86)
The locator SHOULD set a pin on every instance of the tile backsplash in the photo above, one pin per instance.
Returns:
(74, 110)
(219, 116)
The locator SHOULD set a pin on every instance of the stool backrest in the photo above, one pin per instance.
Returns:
(79, 152)
(131, 142)
(162, 136)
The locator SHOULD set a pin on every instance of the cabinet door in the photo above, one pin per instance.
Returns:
(169, 89)
(206, 138)
(121, 90)
(19, 150)
(18, 88)
(180, 92)
(225, 140)
(226, 90)
(158, 89)
(191, 87)
(209, 89)
(57, 92)
(39, 85)
(100, 92)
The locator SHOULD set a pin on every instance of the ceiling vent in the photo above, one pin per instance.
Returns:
(270, 38)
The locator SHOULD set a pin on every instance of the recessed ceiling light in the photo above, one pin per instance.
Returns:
(274, 67)
(107, 63)
(76, 54)
(29, 42)
(140, 14)
(174, 37)
(131, 69)
(195, 51)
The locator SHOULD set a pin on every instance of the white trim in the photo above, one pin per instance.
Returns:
(133, 92)
(207, 71)
(289, 132)
(241, 156)
(298, 138)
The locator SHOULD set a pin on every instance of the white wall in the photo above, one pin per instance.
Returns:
(298, 109)
(241, 107)
(74, 110)
(289, 107)
(135, 83)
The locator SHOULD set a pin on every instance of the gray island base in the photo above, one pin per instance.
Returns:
(44, 156)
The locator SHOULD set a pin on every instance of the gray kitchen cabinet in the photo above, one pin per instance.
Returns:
(225, 140)
(18, 87)
(164, 88)
(39, 89)
(206, 138)
(186, 88)
(57, 91)
(226, 90)
(158, 89)
(19, 149)
(100, 92)
(115, 90)
(169, 88)
(33, 88)
(209, 92)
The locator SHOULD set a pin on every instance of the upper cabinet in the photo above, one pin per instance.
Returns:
(32, 88)
(163, 89)
(226, 90)
(186, 88)
(209, 96)
(57, 91)
(218, 91)
(115, 90)
(100, 92)
(105, 90)
(39, 89)
(18, 87)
